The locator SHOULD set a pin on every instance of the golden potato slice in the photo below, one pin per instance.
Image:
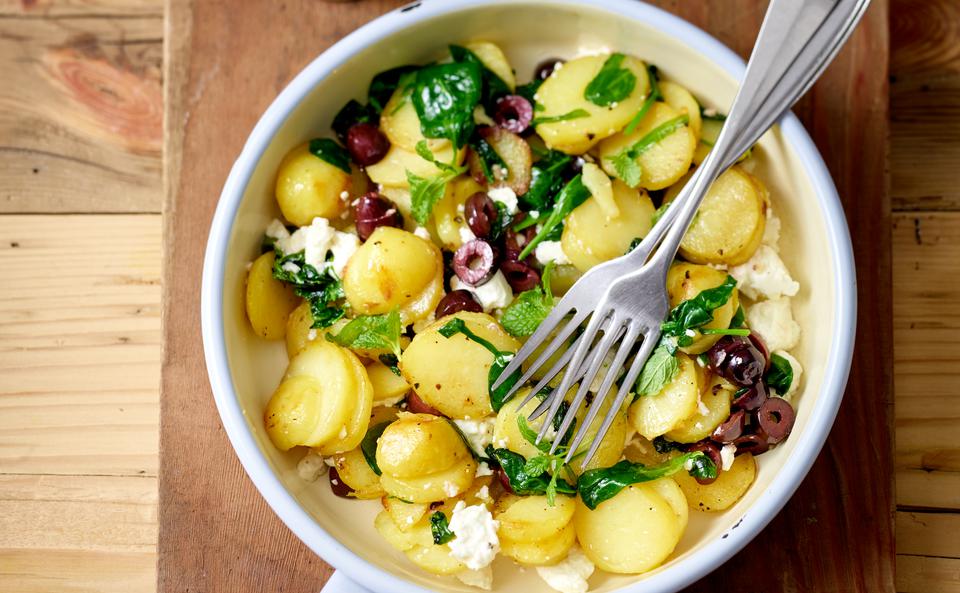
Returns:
(631, 533)
(562, 278)
(394, 269)
(612, 445)
(714, 410)
(506, 431)
(451, 224)
(405, 514)
(392, 169)
(654, 415)
(641, 450)
(731, 220)
(358, 420)
(671, 492)
(722, 494)
(492, 57)
(432, 487)
(664, 162)
(435, 559)
(387, 386)
(541, 552)
(451, 374)
(355, 472)
(563, 93)
(268, 301)
(590, 237)
(682, 101)
(684, 282)
(531, 518)
(401, 125)
(308, 187)
(417, 445)
(418, 535)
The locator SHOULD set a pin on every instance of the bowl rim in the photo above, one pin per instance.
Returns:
(255, 463)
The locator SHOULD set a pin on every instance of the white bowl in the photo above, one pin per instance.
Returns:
(244, 370)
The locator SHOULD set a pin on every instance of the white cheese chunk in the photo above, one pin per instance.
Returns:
(505, 196)
(343, 247)
(797, 373)
(569, 575)
(482, 579)
(476, 543)
(276, 230)
(771, 231)
(466, 234)
(483, 470)
(773, 321)
(495, 293)
(316, 241)
(422, 233)
(479, 433)
(551, 251)
(727, 454)
(311, 467)
(764, 276)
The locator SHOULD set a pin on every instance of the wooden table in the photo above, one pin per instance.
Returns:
(80, 238)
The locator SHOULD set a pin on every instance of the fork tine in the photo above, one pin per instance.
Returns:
(597, 356)
(649, 342)
(570, 375)
(556, 368)
(552, 320)
(633, 331)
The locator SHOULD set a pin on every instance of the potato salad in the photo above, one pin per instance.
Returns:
(425, 238)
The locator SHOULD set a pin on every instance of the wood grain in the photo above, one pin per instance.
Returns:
(844, 505)
(80, 111)
(921, 574)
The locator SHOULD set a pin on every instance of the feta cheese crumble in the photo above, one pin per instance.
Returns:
(727, 453)
(771, 232)
(476, 543)
(495, 293)
(479, 433)
(551, 251)
(773, 321)
(570, 574)
(505, 196)
(797, 373)
(311, 467)
(764, 275)
(315, 241)
(422, 233)
(466, 234)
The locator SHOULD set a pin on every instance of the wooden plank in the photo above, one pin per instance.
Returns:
(925, 104)
(926, 338)
(47, 9)
(928, 534)
(77, 571)
(921, 574)
(79, 344)
(80, 112)
(840, 522)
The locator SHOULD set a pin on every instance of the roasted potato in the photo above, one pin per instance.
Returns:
(722, 494)
(355, 472)
(654, 415)
(268, 301)
(308, 187)
(684, 282)
(682, 101)
(713, 409)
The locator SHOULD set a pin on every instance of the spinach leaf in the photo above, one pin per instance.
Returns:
(368, 446)
(658, 371)
(391, 362)
(444, 96)
(493, 87)
(572, 195)
(546, 180)
(373, 332)
(501, 359)
(611, 84)
(728, 331)
(352, 113)
(662, 445)
(550, 119)
(528, 91)
(696, 312)
(331, 152)
(321, 288)
(598, 485)
(385, 83)
(625, 162)
(489, 159)
(634, 244)
(530, 308)
(739, 318)
(440, 528)
(523, 483)
(780, 376)
(652, 97)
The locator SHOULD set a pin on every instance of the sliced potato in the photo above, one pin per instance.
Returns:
(417, 445)
(631, 533)
(355, 472)
(451, 224)
(401, 125)
(563, 93)
(714, 410)
(591, 237)
(664, 162)
(268, 301)
(562, 278)
(418, 535)
(709, 133)
(435, 559)
(308, 186)
(722, 494)
(682, 101)
(405, 514)
(387, 386)
(684, 282)
(654, 415)
(516, 155)
(492, 57)
(541, 552)
(532, 518)
(730, 223)
(506, 431)
(394, 269)
(671, 492)
(438, 486)
(601, 189)
(392, 169)
(358, 420)
(451, 374)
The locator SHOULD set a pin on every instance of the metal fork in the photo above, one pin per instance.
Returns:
(624, 301)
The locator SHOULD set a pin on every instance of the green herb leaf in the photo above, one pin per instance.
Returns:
(501, 359)
(730, 331)
(658, 372)
(652, 97)
(696, 312)
(385, 83)
(444, 96)
(703, 468)
(424, 195)
(572, 195)
(598, 485)
(715, 116)
(526, 484)
(739, 318)
(550, 119)
(780, 376)
(371, 332)
(368, 446)
(321, 288)
(546, 180)
(530, 435)
(658, 214)
(621, 160)
(529, 90)
(331, 152)
(662, 445)
(488, 157)
(627, 168)
(440, 528)
(611, 84)
(493, 87)
(528, 310)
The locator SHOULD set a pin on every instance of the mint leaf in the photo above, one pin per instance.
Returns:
(549, 119)
(611, 84)
(527, 484)
(627, 168)
(424, 195)
(440, 529)
(658, 372)
(780, 375)
(331, 152)
(372, 332)
(528, 310)
(696, 312)
(630, 175)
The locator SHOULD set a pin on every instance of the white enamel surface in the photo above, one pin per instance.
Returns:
(244, 370)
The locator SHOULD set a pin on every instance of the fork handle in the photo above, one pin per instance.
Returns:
(797, 40)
